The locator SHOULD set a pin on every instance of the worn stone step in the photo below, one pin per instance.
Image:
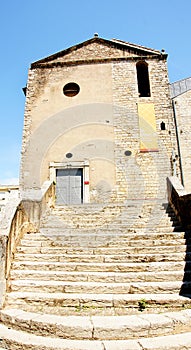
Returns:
(106, 250)
(104, 258)
(112, 233)
(91, 208)
(159, 203)
(153, 210)
(38, 238)
(88, 244)
(141, 209)
(91, 310)
(97, 222)
(143, 213)
(170, 342)
(123, 228)
(127, 233)
(98, 327)
(112, 230)
(30, 300)
(72, 219)
(99, 287)
(116, 218)
(97, 267)
(17, 340)
(101, 276)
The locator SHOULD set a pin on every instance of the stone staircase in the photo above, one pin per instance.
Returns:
(104, 278)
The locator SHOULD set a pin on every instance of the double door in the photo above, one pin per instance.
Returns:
(69, 186)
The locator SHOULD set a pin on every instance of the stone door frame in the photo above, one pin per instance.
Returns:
(73, 165)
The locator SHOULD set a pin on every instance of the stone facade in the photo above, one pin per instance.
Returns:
(100, 129)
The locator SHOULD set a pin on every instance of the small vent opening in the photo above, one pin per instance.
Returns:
(162, 126)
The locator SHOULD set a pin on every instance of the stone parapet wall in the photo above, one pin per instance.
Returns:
(19, 217)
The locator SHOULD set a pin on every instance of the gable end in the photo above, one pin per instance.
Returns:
(97, 49)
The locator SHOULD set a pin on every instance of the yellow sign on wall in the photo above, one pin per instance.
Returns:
(147, 125)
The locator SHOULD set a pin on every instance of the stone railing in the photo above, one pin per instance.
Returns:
(18, 217)
(36, 202)
(180, 201)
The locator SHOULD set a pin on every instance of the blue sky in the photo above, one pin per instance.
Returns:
(33, 29)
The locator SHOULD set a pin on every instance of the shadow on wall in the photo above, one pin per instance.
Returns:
(180, 201)
(185, 289)
(186, 285)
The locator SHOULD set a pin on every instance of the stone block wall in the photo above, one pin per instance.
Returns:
(182, 106)
(142, 175)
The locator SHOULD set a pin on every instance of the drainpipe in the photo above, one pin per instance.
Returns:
(178, 142)
(174, 173)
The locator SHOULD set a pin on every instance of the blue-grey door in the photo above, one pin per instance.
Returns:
(69, 186)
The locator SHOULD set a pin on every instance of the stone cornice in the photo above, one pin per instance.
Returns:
(96, 61)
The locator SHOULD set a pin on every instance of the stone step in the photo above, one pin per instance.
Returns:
(138, 207)
(150, 204)
(160, 203)
(115, 216)
(91, 208)
(92, 276)
(104, 267)
(128, 234)
(125, 226)
(31, 301)
(124, 230)
(145, 227)
(66, 244)
(98, 327)
(149, 208)
(91, 221)
(104, 258)
(130, 219)
(105, 251)
(38, 239)
(99, 287)
(17, 340)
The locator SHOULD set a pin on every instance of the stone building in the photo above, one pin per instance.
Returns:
(99, 121)
(103, 128)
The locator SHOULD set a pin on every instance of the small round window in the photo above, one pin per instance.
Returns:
(71, 89)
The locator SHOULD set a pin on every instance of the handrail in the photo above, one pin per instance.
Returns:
(36, 201)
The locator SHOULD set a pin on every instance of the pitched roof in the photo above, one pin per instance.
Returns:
(137, 47)
(136, 50)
